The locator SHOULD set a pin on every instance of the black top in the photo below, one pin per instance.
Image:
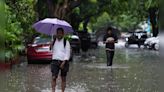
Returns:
(110, 45)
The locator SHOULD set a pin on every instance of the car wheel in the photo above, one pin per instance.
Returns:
(78, 50)
(94, 46)
(156, 46)
(126, 45)
(139, 46)
(149, 47)
(29, 61)
(145, 47)
(71, 59)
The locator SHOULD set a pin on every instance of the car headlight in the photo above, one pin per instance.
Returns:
(146, 42)
(126, 39)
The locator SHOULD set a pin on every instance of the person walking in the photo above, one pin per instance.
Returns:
(110, 39)
(60, 59)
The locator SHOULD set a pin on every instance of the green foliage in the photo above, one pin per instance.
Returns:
(20, 17)
(2, 25)
(13, 31)
(125, 14)
(93, 1)
(76, 10)
(25, 14)
(101, 21)
(88, 9)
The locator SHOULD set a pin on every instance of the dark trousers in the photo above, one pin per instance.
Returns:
(110, 55)
(55, 68)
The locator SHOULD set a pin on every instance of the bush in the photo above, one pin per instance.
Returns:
(13, 35)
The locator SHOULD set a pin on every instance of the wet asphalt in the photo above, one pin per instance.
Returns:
(134, 70)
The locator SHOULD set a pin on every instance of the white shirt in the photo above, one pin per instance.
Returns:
(59, 52)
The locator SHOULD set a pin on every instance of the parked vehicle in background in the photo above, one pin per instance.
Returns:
(136, 38)
(156, 45)
(152, 43)
(75, 43)
(147, 42)
(94, 41)
(39, 50)
(85, 40)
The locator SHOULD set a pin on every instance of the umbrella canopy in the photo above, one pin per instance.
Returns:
(49, 25)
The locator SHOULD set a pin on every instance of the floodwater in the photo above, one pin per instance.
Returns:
(134, 70)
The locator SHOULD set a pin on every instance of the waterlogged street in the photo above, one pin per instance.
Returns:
(134, 70)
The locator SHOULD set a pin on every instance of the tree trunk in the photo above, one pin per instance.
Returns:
(85, 24)
(74, 20)
(153, 20)
(60, 10)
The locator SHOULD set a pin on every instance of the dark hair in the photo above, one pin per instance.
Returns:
(109, 28)
(60, 29)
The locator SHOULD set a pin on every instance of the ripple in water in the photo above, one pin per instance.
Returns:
(67, 90)
(103, 66)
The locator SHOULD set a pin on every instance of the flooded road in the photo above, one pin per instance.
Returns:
(134, 70)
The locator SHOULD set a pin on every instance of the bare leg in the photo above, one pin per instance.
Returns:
(53, 83)
(63, 84)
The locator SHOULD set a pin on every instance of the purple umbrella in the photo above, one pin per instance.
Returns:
(49, 25)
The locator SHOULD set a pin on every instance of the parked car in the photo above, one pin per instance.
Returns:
(39, 50)
(94, 41)
(136, 38)
(75, 43)
(147, 42)
(152, 43)
(156, 45)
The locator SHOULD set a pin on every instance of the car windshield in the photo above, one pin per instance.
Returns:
(42, 41)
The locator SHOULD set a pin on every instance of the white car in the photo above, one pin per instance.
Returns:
(152, 43)
(147, 42)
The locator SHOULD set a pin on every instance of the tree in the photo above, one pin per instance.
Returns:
(2, 25)
(153, 19)
(56, 8)
(12, 34)
(126, 14)
(20, 17)
(74, 11)
(25, 14)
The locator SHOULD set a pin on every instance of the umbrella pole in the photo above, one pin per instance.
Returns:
(52, 32)
(51, 42)
(51, 37)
